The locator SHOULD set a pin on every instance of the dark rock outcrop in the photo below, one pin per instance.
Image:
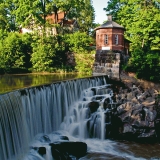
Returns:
(93, 106)
(64, 150)
(137, 112)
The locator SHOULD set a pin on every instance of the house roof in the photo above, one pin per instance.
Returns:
(110, 24)
(51, 17)
(60, 18)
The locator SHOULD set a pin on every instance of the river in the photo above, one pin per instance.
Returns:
(10, 82)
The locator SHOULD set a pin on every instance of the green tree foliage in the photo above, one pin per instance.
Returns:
(80, 10)
(113, 6)
(7, 18)
(86, 17)
(14, 51)
(79, 43)
(32, 14)
(146, 64)
(141, 20)
(84, 61)
(43, 54)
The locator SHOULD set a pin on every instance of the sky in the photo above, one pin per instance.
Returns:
(100, 15)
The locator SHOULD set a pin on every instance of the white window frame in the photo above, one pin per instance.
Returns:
(116, 39)
(106, 39)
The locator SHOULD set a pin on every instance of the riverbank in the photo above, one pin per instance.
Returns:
(129, 79)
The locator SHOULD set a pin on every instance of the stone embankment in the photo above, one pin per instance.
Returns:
(137, 111)
(129, 79)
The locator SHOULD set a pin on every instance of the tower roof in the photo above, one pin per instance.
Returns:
(110, 24)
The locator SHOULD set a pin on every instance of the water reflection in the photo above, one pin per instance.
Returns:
(12, 82)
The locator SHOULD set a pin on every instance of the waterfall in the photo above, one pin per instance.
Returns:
(86, 118)
(31, 111)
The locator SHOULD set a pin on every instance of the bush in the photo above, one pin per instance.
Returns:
(14, 52)
(79, 44)
(146, 65)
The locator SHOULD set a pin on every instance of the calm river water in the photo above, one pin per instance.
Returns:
(16, 81)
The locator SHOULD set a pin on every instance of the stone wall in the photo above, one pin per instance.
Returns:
(107, 63)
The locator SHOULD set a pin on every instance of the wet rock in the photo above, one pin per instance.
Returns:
(64, 138)
(42, 150)
(106, 103)
(157, 128)
(149, 133)
(157, 105)
(125, 107)
(93, 106)
(127, 128)
(137, 112)
(64, 149)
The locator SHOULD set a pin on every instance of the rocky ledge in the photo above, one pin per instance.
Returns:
(136, 113)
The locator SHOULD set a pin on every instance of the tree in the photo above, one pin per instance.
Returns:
(14, 52)
(7, 18)
(86, 17)
(113, 6)
(45, 51)
(79, 44)
(33, 13)
(43, 54)
(141, 20)
(80, 10)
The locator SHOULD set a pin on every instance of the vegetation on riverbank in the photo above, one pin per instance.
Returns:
(31, 53)
(41, 50)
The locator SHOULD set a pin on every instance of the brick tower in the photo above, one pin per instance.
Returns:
(110, 48)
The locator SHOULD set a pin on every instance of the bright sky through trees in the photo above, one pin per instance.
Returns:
(100, 14)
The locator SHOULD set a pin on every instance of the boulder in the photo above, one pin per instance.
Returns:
(137, 112)
(65, 149)
(42, 150)
(93, 106)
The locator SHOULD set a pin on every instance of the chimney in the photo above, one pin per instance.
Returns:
(109, 17)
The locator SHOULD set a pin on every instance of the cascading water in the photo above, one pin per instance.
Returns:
(86, 118)
(29, 112)
(34, 120)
